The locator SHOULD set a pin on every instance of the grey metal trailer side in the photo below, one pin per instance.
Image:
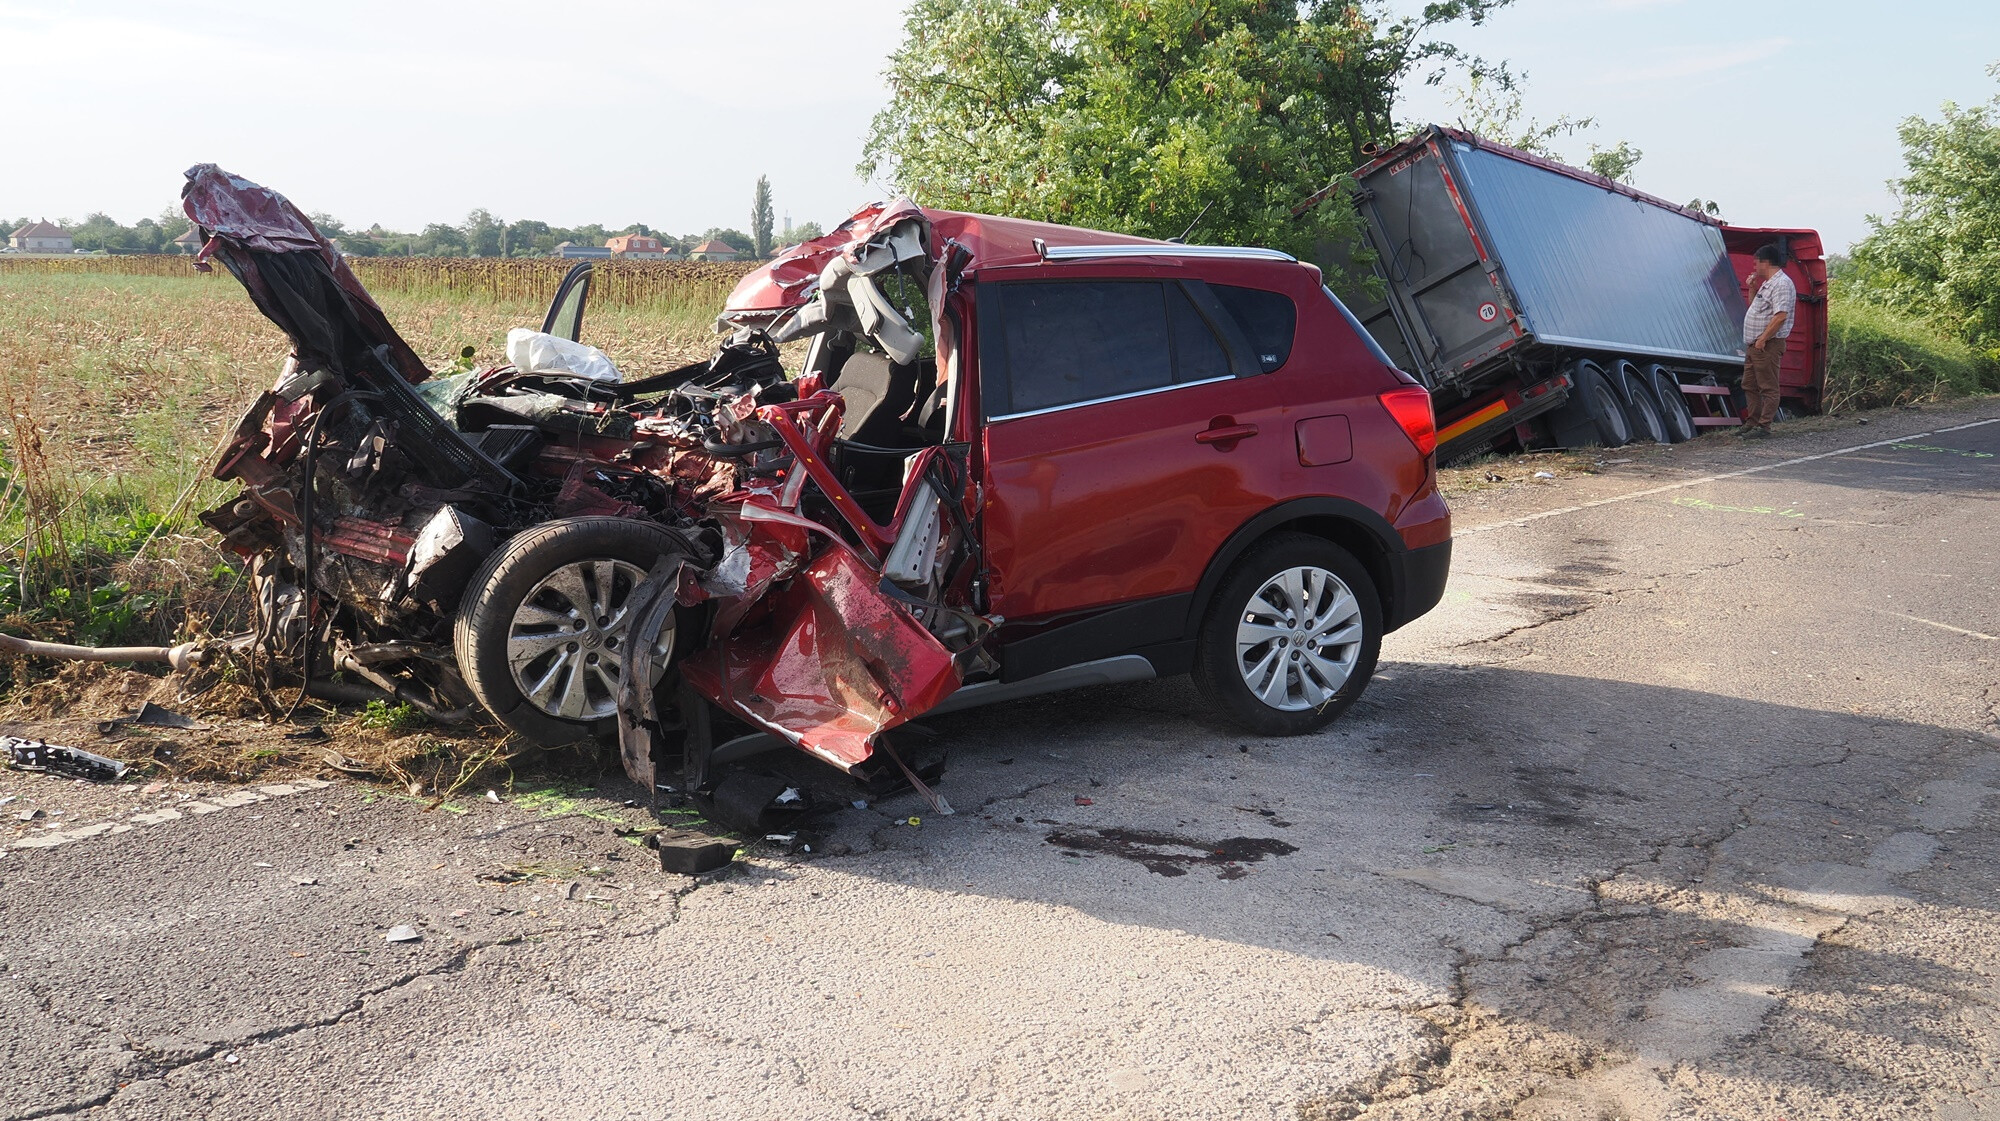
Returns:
(1542, 300)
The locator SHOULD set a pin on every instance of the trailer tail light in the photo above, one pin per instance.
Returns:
(1411, 406)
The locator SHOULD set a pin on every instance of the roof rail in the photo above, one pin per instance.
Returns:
(1161, 249)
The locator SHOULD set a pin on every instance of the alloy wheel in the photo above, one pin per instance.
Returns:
(1298, 638)
(566, 644)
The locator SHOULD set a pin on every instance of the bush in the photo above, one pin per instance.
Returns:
(1877, 357)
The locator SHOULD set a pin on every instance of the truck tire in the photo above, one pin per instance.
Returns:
(541, 630)
(1601, 402)
(1291, 637)
(1674, 411)
(1640, 408)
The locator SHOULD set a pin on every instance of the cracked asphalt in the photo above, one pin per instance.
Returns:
(1678, 807)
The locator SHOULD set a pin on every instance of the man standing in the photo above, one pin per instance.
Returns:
(1765, 326)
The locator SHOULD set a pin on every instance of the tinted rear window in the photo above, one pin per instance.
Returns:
(1077, 342)
(1044, 345)
(1267, 319)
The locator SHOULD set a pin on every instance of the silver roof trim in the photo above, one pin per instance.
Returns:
(1089, 252)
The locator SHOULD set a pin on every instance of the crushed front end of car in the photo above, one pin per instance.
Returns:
(578, 555)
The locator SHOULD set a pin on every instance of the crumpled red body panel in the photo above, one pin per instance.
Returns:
(828, 661)
(788, 280)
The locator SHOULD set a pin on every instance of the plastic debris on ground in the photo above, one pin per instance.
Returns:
(403, 933)
(49, 758)
(692, 854)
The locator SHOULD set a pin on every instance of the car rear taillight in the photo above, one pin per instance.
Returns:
(1411, 406)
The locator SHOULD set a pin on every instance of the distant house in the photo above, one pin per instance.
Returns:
(639, 246)
(41, 237)
(714, 249)
(189, 242)
(571, 249)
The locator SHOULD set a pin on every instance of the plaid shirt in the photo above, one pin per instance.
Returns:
(1777, 295)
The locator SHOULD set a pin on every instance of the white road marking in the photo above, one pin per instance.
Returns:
(1685, 483)
(161, 816)
(1938, 625)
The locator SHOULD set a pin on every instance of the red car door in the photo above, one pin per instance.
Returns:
(1128, 430)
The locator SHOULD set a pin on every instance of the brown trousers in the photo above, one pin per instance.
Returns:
(1760, 382)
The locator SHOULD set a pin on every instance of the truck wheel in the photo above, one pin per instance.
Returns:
(1674, 411)
(1291, 637)
(1607, 411)
(1640, 408)
(540, 635)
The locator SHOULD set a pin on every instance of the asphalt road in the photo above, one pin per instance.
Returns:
(1677, 808)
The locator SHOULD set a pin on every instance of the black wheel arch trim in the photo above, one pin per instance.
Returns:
(1379, 558)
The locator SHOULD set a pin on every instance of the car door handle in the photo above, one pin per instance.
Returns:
(1225, 433)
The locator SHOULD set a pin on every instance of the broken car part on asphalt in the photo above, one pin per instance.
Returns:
(34, 755)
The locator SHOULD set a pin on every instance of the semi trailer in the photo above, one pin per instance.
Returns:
(1543, 305)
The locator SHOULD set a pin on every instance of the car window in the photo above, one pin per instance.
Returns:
(1198, 354)
(1268, 320)
(1063, 343)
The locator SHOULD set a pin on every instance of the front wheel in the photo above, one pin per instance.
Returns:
(1291, 638)
(543, 631)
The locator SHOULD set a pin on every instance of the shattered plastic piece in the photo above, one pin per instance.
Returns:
(1083, 801)
(403, 933)
(306, 881)
(153, 716)
(34, 755)
(860, 804)
(1545, 474)
(493, 796)
(912, 822)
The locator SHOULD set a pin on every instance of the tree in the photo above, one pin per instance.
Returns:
(485, 235)
(760, 218)
(804, 231)
(1615, 162)
(439, 240)
(735, 239)
(1141, 115)
(1490, 107)
(1939, 256)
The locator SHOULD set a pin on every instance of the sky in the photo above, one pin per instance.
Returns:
(665, 112)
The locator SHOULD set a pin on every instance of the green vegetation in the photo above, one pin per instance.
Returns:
(761, 219)
(1916, 313)
(1939, 256)
(1879, 356)
(1153, 117)
(398, 719)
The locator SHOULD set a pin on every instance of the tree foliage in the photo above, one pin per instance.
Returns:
(1615, 162)
(1489, 105)
(761, 220)
(1141, 115)
(1939, 256)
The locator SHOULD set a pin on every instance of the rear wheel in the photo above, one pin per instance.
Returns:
(541, 635)
(1291, 637)
(1601, 402)
(1640, 407)
(1674, 412)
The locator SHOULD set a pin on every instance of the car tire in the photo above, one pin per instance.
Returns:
(1640, 407)
(1674, 411)
(528, 648)
(1284, 594)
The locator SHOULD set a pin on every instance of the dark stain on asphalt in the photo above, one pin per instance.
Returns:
(1170, 854)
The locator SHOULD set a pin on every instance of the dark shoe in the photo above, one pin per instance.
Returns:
(1756, 431)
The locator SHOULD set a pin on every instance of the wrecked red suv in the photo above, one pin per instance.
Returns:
(1014, 458)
